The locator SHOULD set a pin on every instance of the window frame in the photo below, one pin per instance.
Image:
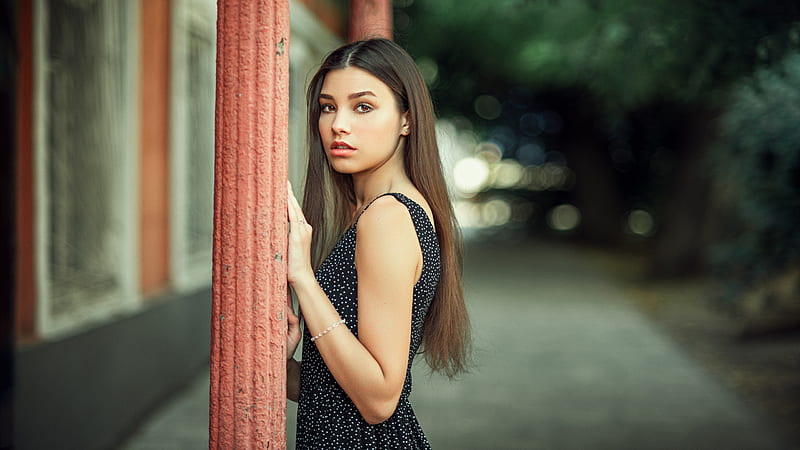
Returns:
(188, 272)
(126, 297)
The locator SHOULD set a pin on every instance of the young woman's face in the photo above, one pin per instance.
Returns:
(359, 123)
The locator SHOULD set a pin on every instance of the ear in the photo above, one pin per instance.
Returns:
(405, 127)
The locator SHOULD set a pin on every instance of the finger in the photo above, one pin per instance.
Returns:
(290, 206)
(291, 317)
(295, 210)
(293, 201)
(295, 217)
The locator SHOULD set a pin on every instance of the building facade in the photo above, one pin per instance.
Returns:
(114, 205)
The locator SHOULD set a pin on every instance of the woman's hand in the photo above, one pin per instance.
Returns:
(293, 334)
(299, 253)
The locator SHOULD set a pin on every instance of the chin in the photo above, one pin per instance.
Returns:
(343, 168)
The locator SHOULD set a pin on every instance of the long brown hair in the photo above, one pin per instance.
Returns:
(329, 198)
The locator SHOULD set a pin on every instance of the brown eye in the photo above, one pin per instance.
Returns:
(363, 108)
(327, 107)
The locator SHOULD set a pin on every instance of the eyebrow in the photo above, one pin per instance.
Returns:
(351, 96)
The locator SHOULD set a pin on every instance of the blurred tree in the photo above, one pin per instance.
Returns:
(665, 65)
(758, 172)
(626, 51)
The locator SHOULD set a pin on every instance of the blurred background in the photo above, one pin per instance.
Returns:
(626, 175)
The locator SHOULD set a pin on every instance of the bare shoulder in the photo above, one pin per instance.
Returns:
(385, 215)
(387, 241)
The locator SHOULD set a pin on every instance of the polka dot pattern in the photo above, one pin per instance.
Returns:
(326, 417)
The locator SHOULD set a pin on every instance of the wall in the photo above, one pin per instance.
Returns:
(86, 378)
(91, 389)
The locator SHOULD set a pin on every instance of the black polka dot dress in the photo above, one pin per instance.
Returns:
(326, 417)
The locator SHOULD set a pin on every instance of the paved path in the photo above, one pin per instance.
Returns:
(562, 362)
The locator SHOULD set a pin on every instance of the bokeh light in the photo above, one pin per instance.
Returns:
(489, 152)
(470, 175)
(429, 70)
(641, 223)
(496, 212)
(506, 174)
(492, 213)
(564, 217)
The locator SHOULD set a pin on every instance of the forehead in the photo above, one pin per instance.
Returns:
(350, 80)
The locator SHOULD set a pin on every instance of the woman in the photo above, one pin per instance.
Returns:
(377, 203)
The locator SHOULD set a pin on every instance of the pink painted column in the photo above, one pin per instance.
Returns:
(370, 19)
(248, 355)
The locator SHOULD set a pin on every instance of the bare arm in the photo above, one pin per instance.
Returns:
(371, 368)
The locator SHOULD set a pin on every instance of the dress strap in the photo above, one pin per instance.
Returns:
(364, 209)
(418, 215)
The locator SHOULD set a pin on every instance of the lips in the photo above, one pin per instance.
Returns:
(341, 148)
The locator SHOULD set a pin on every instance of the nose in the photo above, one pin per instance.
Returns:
(340, 124)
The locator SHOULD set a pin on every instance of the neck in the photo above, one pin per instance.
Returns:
(389, 177)
(369, 186)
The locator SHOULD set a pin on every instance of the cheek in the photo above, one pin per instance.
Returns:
(323, 126)
(384, 125)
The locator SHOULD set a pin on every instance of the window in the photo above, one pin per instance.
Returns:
(193, 101)
(85, 161)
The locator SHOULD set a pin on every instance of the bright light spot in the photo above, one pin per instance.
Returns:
(487, 107)
(468, 214)
(470, 175)
(496, 212)
(507, 174)
(641, 222)
(564, 217)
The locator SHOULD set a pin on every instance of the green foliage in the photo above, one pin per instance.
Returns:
(625, 51)
(759, 168)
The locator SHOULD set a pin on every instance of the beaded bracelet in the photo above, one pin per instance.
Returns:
(327, 330)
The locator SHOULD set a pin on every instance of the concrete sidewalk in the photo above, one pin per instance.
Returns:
(563, 361)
